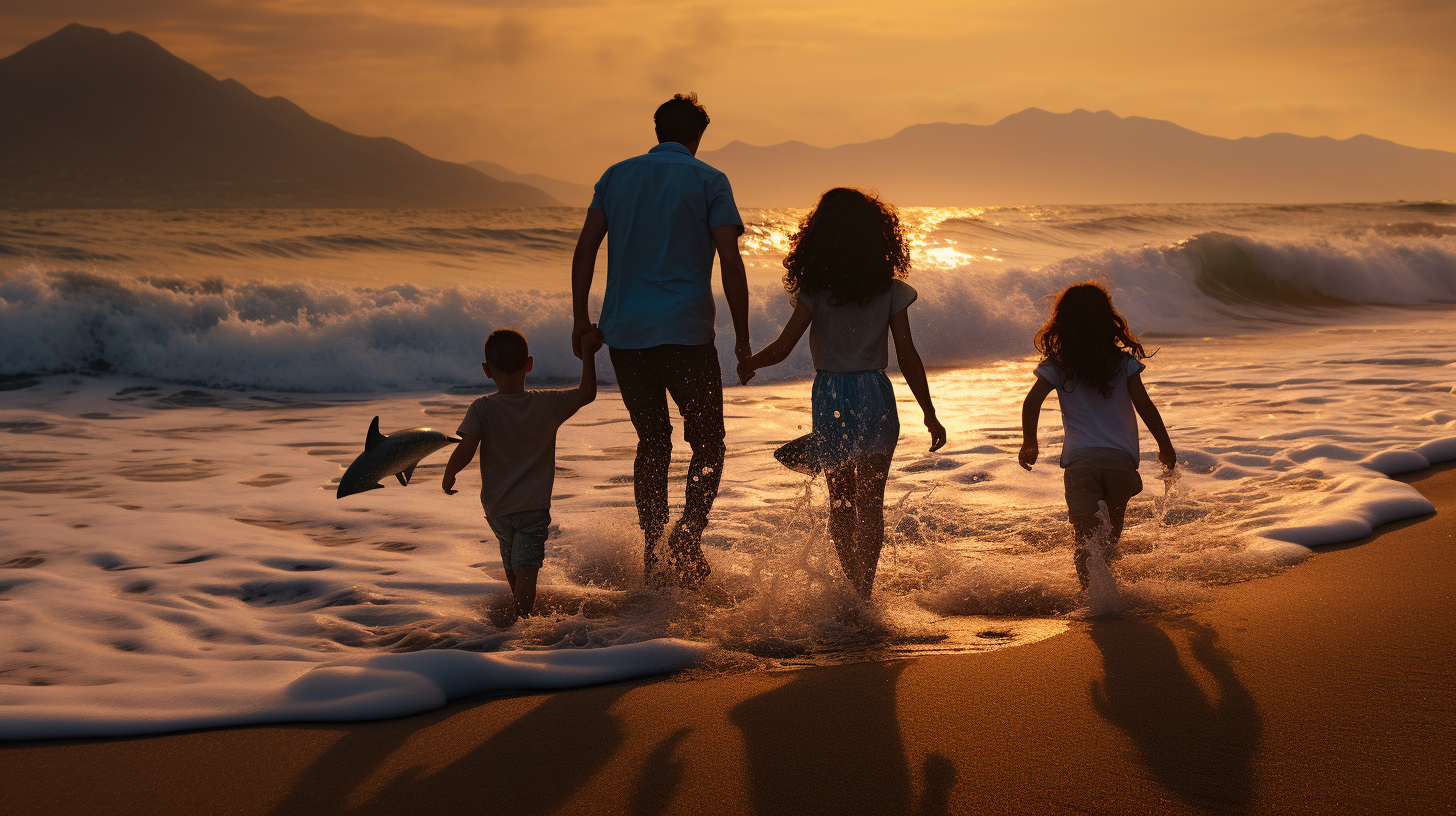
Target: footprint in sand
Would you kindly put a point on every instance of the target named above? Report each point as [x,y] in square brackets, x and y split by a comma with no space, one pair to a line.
[294,566]
[931,463]
[196,559]
[23,562]
[268,480]
[174,471]
[113,563]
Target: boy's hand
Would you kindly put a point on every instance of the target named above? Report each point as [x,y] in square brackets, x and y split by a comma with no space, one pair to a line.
[578,330]
[1028,454]
[1169,458]
[745,371]
[592,341]
[937,433]
[448,483]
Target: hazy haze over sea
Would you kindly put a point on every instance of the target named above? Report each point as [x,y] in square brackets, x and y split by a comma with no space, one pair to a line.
[183,389]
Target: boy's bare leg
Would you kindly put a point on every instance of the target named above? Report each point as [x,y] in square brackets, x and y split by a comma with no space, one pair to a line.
[523,587]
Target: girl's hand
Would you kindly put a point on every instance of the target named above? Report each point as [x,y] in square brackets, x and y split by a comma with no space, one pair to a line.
[937,433]
[745,370]
[1169,458]
[448,483]
[1028,454]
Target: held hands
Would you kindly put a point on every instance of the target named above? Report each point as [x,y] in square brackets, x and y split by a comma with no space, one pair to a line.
[1028,454]
[588,343]
[745,370]
[937,433]
[743,350]
[580,329]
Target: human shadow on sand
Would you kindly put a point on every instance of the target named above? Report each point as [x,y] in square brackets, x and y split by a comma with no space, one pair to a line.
[1199,749]
[533,765]
[829,742]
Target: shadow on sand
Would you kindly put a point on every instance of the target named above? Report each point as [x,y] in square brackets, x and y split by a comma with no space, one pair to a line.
[532,766]
[829,742]
[1199,749]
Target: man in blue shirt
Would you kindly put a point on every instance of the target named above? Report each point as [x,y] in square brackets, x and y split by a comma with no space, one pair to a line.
[667,213]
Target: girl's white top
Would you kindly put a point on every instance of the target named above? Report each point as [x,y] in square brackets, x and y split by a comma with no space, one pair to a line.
[1094,426]
[851,337]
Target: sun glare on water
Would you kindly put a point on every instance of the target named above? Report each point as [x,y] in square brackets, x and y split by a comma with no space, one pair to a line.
[769,237]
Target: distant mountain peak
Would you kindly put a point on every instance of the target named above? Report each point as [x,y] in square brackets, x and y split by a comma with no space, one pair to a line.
[1036,156]
[76,40]
[95,119]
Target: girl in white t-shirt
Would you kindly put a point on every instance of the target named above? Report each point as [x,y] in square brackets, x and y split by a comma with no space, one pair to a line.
[1095,364]
[844,270]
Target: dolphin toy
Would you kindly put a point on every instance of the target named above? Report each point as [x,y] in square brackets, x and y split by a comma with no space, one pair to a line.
[395,454]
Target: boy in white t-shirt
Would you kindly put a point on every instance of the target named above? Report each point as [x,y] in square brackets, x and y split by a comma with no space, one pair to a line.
[515,431]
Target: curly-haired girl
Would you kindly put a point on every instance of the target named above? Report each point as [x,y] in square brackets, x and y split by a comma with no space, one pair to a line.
[844,270]
[1095,364]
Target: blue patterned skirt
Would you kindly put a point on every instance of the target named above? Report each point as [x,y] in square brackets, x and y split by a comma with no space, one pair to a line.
[854,416]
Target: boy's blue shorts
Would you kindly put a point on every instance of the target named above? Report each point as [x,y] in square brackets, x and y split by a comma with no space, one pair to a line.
[522,538]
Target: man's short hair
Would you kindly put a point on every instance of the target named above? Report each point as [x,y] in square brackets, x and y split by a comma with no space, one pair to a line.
[680,119]
[506,351]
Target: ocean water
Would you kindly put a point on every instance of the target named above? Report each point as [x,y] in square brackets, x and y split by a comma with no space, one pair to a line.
[182,391]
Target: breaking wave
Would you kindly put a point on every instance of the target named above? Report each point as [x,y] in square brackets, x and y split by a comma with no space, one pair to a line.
[330,337]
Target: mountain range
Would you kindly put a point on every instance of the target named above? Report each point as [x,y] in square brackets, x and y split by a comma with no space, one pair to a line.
[1037,157]
[94,119]
[567,192]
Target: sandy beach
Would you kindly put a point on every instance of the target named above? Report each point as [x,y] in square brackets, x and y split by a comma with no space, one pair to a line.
[1329,688]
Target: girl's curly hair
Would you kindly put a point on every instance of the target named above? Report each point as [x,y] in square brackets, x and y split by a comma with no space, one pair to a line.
[851,245]
[1084,335]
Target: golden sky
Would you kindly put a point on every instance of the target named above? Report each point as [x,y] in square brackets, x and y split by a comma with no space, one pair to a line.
[565,87]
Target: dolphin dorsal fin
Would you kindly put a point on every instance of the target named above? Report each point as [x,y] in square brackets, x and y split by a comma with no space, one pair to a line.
[374,437]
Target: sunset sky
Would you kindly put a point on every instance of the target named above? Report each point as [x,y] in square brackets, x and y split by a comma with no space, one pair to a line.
[565,87]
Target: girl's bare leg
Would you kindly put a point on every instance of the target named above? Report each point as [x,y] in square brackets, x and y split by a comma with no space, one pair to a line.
[844,517]
[872,473]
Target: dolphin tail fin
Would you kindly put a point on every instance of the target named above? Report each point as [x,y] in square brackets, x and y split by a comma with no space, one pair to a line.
[373,437]
[404,475]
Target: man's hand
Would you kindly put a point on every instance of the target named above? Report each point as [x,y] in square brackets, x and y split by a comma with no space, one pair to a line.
[1028,454]
[937,433]
[745,370]
[448,483]
[580,329]
[1169,458]
[591,342]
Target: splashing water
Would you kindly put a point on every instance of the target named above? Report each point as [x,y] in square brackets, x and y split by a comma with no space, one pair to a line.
[1103,598]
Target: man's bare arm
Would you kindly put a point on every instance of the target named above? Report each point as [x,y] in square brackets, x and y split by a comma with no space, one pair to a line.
[583,269]
[735,285]
[591,343]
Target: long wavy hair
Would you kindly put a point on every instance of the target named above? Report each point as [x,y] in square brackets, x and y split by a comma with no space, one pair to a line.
[851,245]
[1085,334]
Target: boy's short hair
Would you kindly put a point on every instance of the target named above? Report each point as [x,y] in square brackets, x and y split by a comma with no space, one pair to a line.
[680,119]
[506,351]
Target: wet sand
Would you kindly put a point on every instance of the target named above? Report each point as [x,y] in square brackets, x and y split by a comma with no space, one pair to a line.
[1328,689]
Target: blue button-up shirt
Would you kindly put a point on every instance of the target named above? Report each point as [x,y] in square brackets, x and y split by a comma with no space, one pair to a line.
[661,208]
